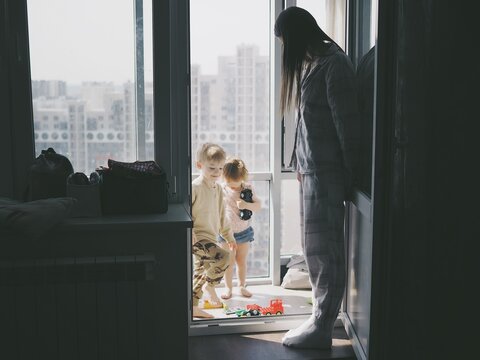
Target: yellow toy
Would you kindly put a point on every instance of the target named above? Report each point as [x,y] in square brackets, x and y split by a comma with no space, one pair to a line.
[208,305]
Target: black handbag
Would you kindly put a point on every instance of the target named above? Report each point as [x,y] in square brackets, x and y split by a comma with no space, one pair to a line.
[138,187]
[47,176]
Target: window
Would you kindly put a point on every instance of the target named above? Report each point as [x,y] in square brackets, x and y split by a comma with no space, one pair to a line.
[365,58]
[290,218]
[230,89]
[91,63]
[330,16]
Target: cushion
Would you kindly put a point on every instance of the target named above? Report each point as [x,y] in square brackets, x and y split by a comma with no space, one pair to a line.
[296,279]
[33,218]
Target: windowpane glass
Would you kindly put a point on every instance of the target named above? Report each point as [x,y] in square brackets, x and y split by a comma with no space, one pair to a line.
[230,96]
[258,256]
[366,77]
[230,78]
[330,16]
[290,218]
[84,79]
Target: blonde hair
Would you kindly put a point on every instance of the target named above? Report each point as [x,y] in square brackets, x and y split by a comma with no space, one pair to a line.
[210,152]
[235,169]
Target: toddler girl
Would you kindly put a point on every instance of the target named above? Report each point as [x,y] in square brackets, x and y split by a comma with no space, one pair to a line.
[240,203]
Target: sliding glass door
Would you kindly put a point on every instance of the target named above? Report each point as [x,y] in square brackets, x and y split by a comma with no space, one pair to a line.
[230,95]
[235,84]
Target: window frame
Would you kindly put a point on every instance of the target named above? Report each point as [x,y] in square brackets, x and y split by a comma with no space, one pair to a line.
[16,135]
[171,82]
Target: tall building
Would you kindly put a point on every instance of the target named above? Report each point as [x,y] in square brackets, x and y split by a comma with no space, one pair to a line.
[52,123]
[234,104]
[49,88]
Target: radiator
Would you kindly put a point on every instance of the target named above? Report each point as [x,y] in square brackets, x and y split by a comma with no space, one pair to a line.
[77,308]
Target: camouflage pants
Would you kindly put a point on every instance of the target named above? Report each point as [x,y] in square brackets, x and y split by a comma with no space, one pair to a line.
[210,263]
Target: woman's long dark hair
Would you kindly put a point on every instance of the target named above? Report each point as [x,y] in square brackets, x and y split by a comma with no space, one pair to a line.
[300,33]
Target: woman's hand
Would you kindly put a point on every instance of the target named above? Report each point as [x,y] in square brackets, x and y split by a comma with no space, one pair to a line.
[232,246]
[299,176]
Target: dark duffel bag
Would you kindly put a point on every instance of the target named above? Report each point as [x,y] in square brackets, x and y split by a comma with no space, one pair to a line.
[139,187]
[48,176]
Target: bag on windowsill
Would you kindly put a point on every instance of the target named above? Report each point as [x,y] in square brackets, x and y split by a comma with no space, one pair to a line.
[47,176]
[87,192]
[138,187]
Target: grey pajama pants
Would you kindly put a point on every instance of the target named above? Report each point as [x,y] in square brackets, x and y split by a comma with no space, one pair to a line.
[322,224]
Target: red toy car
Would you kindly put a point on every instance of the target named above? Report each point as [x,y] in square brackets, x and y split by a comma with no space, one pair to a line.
[275,308]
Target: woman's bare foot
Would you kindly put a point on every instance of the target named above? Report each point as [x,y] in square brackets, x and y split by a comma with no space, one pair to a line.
[197,312]
[227,295]
[212,295]
[245,292]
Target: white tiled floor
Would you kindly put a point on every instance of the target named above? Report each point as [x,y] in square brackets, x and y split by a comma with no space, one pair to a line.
[295,302]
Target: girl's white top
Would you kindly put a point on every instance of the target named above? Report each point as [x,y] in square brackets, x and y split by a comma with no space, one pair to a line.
[232,211]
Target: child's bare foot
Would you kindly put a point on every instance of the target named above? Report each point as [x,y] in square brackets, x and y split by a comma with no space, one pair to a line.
[197,312]
[245,292]
[213,297]
[227,295]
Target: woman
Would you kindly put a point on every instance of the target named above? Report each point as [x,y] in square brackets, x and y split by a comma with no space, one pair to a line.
[319,80]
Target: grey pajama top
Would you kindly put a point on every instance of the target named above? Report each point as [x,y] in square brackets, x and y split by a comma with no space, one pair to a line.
[327,130]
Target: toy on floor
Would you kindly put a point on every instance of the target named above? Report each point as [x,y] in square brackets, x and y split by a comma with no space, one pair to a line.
[208,305]
[229,311]
[247,312]
[275,308]
[239,311]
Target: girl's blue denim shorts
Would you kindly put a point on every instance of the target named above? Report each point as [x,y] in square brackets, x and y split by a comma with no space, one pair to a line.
[242,236]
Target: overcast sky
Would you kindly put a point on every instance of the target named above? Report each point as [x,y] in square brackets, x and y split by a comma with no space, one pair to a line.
[92,40]
[218,26]
[81,40]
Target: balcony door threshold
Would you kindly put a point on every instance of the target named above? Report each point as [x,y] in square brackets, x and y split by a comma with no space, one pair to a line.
[296,307]
[225,326]
[249,326]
